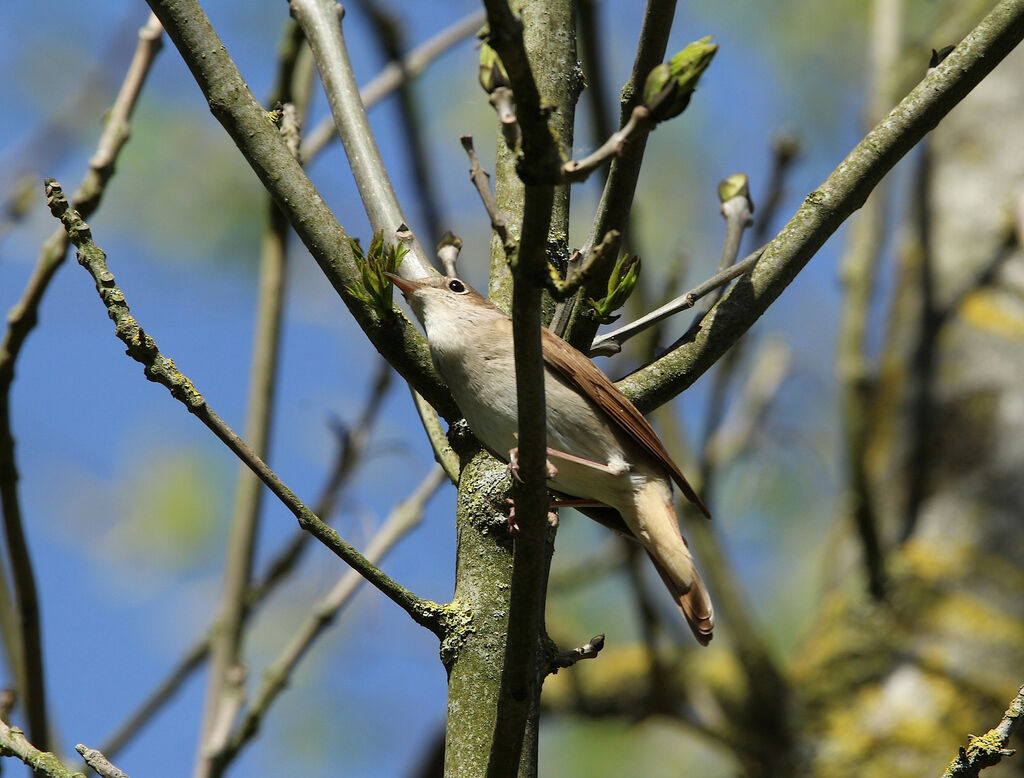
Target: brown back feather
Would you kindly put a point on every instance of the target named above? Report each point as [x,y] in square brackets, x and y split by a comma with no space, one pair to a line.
[582,373]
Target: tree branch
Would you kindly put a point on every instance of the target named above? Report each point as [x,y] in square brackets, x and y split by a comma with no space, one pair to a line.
[160,369]
[351,451]
[617,197]
[20,322]
[14,743]
[319,20]
[843,192]
[246,122]
[405,517]
[990,748]
[392,76]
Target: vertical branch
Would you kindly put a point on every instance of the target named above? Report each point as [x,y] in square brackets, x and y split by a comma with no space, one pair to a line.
[492,716]
[225,685]
[922,371]
[20,321]
[617,198]
[859,272]
[389,33]
[319,20]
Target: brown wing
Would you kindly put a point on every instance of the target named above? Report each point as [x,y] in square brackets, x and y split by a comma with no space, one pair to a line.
[579,371]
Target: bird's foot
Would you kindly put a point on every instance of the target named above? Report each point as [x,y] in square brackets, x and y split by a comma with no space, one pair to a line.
[513,524]
[513,465]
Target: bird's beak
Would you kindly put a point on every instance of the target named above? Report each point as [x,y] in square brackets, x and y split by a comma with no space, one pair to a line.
[405,286]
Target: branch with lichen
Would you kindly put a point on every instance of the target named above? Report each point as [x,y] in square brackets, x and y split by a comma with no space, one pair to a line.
[162,370]
[14,743]
[990,748]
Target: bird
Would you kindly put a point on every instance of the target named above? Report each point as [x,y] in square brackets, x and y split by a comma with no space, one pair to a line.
[601,449]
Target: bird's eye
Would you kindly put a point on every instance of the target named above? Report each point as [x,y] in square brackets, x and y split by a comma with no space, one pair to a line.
[457,286]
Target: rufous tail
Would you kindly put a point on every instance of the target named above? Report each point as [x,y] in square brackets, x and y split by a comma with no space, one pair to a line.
[655,526]
[694,602]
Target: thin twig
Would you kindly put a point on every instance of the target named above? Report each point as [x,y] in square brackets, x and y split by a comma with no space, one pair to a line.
[319,20]
[588,650]
[617,197]
[639,125]
[405,517]
[611,342]
[160,369]
[226,639]
[392,75]
[99,763]
[443,452]
[482,181]
[20,321]
[990,748]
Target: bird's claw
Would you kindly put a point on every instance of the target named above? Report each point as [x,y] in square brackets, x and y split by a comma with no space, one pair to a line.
[513,465]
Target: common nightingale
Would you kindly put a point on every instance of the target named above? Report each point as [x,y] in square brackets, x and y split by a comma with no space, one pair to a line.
[601,448]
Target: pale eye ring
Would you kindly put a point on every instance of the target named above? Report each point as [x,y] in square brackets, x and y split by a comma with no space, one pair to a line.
[457,286]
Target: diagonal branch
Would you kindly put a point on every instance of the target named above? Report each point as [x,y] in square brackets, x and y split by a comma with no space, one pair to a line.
[990,748]
[352,449]
[235,107]
[824,209]
[162,370]
[405,517]
[393,74]
[319,20]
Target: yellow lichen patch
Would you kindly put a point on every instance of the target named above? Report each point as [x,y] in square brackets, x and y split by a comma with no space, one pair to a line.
[929,561]
[897,718]
[992,311]
[958,611]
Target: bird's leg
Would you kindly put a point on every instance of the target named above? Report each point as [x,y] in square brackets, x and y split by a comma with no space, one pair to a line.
[576,503]
[513,525]
[599,466]
[513,464]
